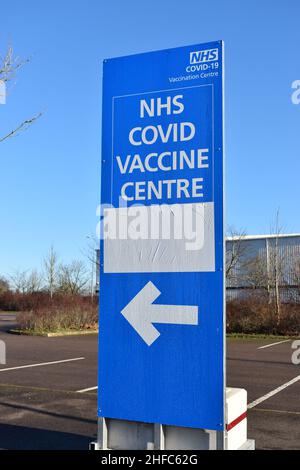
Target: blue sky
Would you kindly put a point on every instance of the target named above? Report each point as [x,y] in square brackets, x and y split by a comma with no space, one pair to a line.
[49,175]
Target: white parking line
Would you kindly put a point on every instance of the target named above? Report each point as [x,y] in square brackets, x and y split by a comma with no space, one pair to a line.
[274,344]
[274,392]
[42,364]
[86,390]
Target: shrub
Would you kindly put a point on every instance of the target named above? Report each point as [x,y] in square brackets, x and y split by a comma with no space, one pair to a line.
[255,315]
[71,313]
[15,301]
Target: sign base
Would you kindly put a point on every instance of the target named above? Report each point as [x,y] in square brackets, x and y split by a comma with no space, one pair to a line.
[115,434]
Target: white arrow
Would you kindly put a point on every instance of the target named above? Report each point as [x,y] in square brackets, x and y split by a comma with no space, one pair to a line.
[141,313]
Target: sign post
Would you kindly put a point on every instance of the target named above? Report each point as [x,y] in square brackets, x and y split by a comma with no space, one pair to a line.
[161,329]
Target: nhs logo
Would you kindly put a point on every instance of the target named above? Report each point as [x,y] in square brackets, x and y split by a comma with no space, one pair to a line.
[198,57]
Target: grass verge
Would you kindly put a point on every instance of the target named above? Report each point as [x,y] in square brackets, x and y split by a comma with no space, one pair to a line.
[51,334]
[259,336]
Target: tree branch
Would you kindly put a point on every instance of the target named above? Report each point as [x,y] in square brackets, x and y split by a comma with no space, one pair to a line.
[10,64]
[21,128]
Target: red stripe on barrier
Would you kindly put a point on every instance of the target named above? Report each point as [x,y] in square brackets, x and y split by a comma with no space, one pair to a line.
[236,421]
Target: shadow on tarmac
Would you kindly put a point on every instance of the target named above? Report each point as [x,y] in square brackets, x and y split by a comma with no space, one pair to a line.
[45,412]
[24,438]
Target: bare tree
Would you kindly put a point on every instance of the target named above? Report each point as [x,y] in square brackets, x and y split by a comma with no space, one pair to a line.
[91,254]
[235,254]
[19,281]
[295,277]
[51,271]
[4,285]
[266,271]
[255,273]
[72,278]
[25,282]
[34,282]
[9,66]
[276,266]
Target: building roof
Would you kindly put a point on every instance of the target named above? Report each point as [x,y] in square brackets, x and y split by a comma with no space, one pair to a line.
[257,237]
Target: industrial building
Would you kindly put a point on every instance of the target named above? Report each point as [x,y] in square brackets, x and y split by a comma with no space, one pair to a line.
[259,264]
[262,264]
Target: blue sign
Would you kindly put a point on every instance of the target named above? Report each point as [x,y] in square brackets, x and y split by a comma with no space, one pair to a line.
[161,328]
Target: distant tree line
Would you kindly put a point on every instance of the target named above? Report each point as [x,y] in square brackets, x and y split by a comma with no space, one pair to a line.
[55,278]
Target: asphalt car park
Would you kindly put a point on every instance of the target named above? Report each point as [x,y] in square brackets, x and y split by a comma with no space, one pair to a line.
[48,390]
[265,369]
